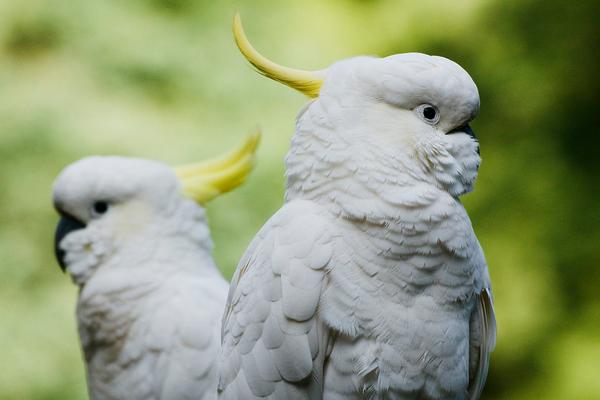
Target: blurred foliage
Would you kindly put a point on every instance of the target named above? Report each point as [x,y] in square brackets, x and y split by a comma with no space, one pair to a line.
[162,79]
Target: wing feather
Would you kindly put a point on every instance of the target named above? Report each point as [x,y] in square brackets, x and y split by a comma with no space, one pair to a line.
[484,343]
[273,343]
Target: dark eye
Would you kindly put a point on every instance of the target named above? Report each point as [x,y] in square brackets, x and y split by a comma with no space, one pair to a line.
[428,113]
[100,207]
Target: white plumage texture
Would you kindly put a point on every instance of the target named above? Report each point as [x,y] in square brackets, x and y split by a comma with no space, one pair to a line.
[369,283]
[151,297]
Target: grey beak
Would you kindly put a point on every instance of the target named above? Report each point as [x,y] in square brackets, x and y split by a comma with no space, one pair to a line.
[66,225]
[463,129]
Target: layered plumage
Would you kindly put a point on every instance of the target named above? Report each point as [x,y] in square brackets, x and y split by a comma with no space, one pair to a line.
[369,282]
[151,296]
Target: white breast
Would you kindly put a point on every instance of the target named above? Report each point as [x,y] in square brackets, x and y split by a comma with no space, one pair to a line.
[400,295]
[151,338]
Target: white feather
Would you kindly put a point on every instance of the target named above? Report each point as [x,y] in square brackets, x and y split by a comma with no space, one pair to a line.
[372,270]
[151,297]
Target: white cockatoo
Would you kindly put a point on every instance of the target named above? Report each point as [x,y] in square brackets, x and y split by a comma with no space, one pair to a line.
[369,282]
[134,237]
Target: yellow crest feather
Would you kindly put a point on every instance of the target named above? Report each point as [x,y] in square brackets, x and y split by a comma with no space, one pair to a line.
[307,82]
[206,180]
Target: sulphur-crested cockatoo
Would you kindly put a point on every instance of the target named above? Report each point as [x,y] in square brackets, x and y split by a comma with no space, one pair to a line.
[134,237]
[369,282]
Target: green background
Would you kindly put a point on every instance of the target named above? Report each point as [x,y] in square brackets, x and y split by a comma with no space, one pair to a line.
[163,79]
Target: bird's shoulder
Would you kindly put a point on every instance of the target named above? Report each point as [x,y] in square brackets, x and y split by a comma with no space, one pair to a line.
[296,228]
[271,340]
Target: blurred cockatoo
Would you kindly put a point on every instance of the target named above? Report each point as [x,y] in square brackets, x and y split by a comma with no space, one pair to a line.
[369,282]
[134,237]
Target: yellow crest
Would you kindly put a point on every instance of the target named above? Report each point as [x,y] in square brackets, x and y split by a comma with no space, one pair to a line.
[307,82]
[206,180]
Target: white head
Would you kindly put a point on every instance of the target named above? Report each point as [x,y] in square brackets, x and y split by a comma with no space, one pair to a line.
[127,209]
[378,124]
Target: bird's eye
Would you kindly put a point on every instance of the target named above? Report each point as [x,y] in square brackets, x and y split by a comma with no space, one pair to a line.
[100,207]
[428,113]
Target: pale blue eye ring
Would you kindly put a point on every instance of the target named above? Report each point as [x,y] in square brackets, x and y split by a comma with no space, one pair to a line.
[428,113]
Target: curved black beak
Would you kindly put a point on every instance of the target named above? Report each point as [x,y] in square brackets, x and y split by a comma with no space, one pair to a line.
[66,225]
[463,129]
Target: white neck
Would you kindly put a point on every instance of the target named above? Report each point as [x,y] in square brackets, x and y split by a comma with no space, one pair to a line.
[361,178]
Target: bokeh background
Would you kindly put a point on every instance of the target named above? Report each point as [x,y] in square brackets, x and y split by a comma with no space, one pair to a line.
[163,79]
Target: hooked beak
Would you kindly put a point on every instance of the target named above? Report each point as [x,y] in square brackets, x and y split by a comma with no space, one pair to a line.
[463,129]
[66,225]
